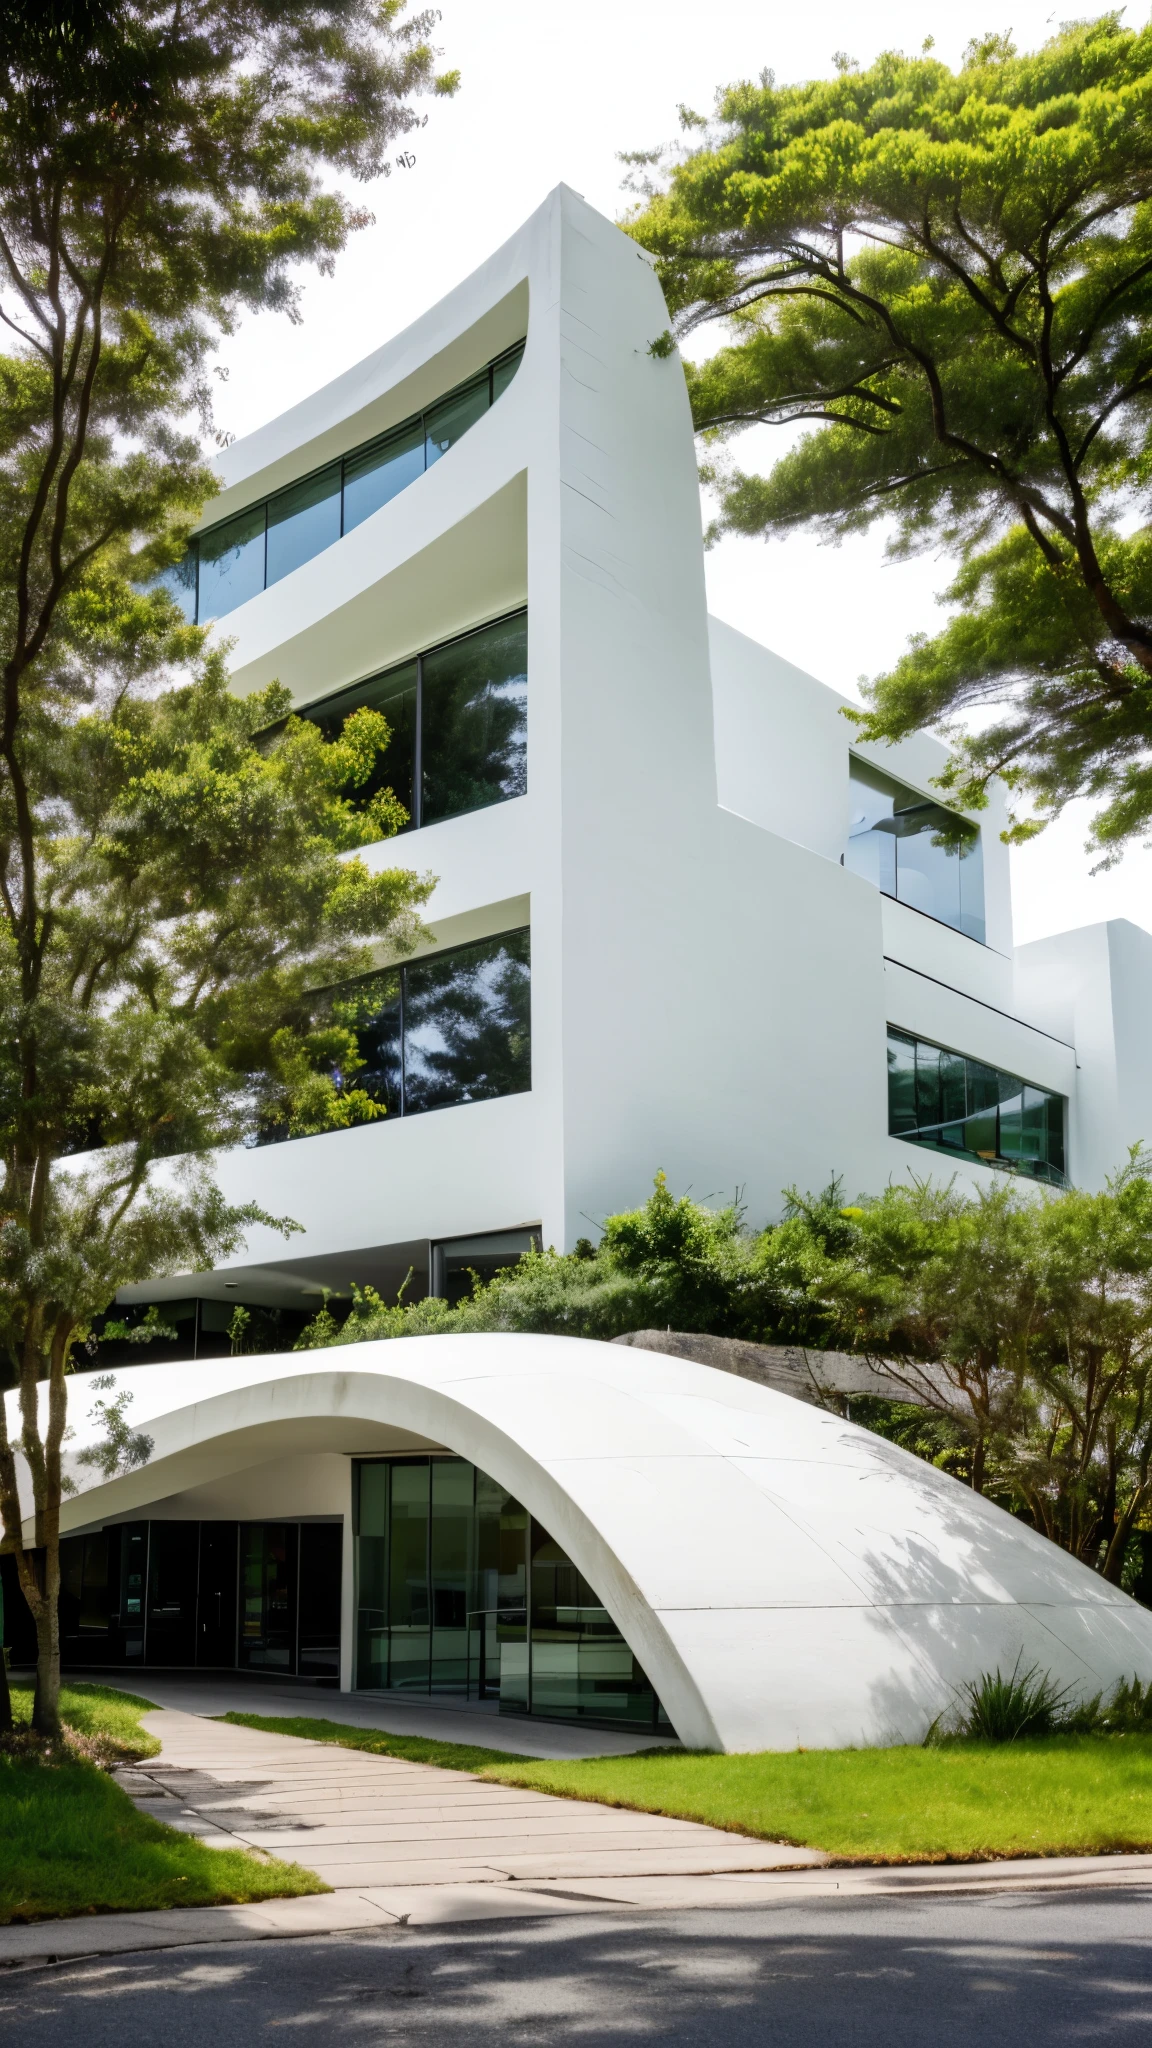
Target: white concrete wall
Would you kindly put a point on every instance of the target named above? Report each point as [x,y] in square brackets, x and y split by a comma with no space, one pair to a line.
[782,1576]
[710,987]
[1095,985]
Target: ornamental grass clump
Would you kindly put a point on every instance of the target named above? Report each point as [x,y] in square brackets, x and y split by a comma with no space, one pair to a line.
[1004,1709]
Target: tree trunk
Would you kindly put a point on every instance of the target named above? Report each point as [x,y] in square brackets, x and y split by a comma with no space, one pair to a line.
[5,1695]
[46,1702]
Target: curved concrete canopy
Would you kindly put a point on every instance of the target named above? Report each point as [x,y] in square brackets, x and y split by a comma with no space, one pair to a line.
[783,1576]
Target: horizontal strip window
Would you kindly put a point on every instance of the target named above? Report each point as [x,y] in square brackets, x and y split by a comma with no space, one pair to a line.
[452,1028]
[914,850]
[458,717]
[963,1107]
[229,563]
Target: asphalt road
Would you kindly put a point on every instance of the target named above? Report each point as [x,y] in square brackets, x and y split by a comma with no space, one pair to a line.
[1012,1968]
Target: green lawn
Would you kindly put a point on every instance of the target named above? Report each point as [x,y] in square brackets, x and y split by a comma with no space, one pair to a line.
[1072,1795]
[414,1749]
[72,1842]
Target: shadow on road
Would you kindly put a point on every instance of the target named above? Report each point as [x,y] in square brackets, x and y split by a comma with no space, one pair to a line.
[1076,1967]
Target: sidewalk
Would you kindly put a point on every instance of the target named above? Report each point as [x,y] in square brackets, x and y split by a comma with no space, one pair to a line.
[362,1820]
[406,1844]
[442,1720]
[352,1910]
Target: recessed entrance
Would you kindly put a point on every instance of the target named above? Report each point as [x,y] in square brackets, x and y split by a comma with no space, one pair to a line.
[461,1591]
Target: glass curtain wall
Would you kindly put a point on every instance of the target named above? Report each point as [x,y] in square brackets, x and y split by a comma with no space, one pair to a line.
[915,850]
[232,562]
[453,1028]
[953,1104]
[460,1590]
[458,716]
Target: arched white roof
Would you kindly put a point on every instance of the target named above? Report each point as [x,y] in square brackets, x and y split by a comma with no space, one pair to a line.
[783,1576]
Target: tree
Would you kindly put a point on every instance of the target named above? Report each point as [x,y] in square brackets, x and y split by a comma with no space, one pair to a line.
[1024,1321]
[177,867]
[941,1288]
[950,273]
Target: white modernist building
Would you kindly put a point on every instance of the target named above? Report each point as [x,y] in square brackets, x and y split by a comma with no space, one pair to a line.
[569,1529]
[682,920]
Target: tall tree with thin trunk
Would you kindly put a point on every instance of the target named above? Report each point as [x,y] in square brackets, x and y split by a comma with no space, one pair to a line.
[177,867]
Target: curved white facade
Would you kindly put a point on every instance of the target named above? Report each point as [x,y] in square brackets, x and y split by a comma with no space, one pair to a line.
[711,987]
[783,1577]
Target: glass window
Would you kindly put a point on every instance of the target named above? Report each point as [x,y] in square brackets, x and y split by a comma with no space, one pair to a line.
[269,1554]
[504,369]
[917,851]
[378,472]
[953,1104]
[395,696]
[303,521]
[408,1603]
[453,1028]
[446,422]
[372,1573]
[466,1024]
[231,564]
[373,1009]
[451,1562]
[465,1613]
[460,712]
[310,515]
[475,721]
[180,582]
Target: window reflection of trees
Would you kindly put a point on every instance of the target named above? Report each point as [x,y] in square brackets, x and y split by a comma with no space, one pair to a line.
[954,1104]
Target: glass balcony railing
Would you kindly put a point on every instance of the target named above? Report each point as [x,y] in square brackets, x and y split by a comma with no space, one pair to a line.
[229,563]
[915,850]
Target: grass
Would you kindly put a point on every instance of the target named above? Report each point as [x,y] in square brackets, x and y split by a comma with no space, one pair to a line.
[413,1749]
[1070,1795]
[72,1842]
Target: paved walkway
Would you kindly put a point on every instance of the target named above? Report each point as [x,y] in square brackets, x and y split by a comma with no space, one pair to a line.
[400,1713]
[364,1821]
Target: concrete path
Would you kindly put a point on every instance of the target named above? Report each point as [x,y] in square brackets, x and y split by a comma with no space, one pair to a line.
[442,1720]
[364,1821]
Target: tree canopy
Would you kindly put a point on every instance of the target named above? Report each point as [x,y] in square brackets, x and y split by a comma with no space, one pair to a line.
[179,874]
[941,282]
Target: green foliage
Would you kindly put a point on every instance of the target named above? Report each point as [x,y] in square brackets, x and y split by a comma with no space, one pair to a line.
[996,1708]
[122,1448]
[950,275]
[964,1802]
[673,1264]
[1018,1320]
[178,870]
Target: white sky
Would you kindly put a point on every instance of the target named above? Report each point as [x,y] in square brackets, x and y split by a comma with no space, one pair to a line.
[551,93]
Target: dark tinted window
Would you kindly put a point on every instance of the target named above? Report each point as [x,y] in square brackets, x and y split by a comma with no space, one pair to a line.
[475,721]
[452,1028]
[466,1024]
[394,695]
[460,710]
[953,1104]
